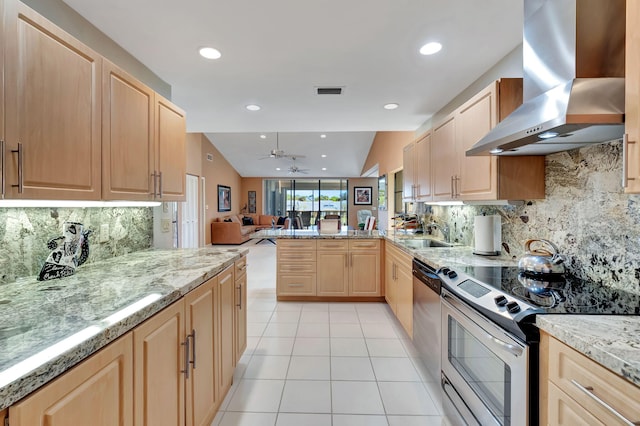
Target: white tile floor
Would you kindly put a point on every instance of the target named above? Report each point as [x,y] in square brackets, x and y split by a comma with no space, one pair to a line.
[324,364]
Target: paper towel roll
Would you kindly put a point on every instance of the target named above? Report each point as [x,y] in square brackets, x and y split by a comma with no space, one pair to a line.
[487,235]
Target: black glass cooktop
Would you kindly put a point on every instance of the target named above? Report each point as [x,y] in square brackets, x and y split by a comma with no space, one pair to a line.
[558,295]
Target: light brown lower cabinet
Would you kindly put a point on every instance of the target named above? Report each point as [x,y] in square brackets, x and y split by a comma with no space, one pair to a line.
[97,392]
[240,309]
[575,390]
[399,285]
[173,369]
[349,268]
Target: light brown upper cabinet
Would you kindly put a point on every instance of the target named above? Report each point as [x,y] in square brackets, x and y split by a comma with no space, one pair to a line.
[128,143]
[52,110]
[417,169]
[143,141]
[171,155]
[631,157]
[458,177]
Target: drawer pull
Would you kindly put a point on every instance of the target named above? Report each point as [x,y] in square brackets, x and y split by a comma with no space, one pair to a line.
[589,391]
[296,285]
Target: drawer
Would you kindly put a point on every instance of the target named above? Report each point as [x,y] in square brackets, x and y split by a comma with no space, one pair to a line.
[364,244]
[564,411]
[296,256]
[241,266]
[297,267]
[333,244]
[296,284]
[585,381]
[295,244]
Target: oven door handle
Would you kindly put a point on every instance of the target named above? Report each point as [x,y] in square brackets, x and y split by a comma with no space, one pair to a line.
[512,349]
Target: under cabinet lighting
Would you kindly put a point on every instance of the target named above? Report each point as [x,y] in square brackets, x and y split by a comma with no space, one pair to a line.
[263,136]
[323,136]
[496,151]
[278,168]
[444,203]
[324,169]
[76,203]
[547,135]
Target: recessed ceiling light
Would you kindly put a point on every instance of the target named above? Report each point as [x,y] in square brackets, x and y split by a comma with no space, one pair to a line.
[278,168]
[263,136]
[391,106]
[324,168]
[324,155]
[210,53]
[323,136]
[431,48]
[253,107]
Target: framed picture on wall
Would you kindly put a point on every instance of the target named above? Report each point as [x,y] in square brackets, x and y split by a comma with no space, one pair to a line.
[224,198]
[252,201]
[362,195]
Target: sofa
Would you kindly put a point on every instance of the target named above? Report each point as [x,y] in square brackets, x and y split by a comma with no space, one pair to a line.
[236,228]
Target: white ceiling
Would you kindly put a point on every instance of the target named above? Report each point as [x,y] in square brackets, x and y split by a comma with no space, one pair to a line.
[275,52]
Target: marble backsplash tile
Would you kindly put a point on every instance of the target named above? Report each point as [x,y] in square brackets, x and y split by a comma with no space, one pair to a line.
[24,233]
[585,213]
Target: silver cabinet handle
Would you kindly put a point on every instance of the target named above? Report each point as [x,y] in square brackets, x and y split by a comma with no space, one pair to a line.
[20,184]
[186,358]
[625,147]
[239,304]
[589,391]
[193,334]
[3,165]
[351,260]
[512,349]
[452,191]
[160,185]
[155,184]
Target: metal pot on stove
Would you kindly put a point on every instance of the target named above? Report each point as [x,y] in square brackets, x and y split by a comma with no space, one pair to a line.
[540,261]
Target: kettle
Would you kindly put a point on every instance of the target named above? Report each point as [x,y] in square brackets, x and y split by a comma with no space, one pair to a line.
[541,261]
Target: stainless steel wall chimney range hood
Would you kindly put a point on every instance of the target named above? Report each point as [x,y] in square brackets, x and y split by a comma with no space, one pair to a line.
[573,79]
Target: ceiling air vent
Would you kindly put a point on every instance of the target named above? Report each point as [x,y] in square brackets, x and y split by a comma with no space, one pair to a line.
[329,90]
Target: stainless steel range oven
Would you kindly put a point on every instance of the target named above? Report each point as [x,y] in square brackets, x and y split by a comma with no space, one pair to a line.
[490,343]
[483,367]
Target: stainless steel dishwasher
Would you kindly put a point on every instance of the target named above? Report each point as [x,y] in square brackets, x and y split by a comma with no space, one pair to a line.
[426,317]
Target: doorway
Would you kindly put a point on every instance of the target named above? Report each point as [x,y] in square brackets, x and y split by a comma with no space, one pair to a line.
[189,217]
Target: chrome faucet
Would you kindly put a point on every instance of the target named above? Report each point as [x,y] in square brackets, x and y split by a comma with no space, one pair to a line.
[444,229]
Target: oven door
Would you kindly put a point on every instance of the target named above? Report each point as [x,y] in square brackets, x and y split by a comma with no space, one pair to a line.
[486,367]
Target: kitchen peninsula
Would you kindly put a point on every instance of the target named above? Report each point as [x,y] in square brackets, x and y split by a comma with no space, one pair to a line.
[120,327]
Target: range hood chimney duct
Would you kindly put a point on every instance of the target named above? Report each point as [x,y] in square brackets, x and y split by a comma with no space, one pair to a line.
[573,65]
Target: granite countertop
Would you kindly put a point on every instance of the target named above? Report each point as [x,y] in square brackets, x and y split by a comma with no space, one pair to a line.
[610,340]
[312,233]
[46,327]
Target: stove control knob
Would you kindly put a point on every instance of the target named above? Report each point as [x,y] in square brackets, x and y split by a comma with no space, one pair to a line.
[500,300]
[513,307]
[445,270]
[452,274]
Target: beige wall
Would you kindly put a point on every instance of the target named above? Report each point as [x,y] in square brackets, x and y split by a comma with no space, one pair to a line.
[386,151]
[218,172]
[353,208]
[195,159]
[252,184]
[73,23]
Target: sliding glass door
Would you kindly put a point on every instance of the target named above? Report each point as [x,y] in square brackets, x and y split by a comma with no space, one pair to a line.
[308,199]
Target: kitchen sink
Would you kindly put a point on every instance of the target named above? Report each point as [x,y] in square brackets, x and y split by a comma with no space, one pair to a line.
[423,243]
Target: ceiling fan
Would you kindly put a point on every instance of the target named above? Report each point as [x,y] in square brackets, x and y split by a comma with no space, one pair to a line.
[279,153]
[295,169]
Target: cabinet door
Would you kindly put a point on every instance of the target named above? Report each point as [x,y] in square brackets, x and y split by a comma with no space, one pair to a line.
[171,161]
[52,94]
[240,323]
[333,273]
[201,397]
[564,411]
[408,172]
[127,136]
[444,160]
[97,391]
[632,100]
[364,273]
[478,175]
[159,381]
[423,168]
[226,318]
[390,285]
[404,310]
